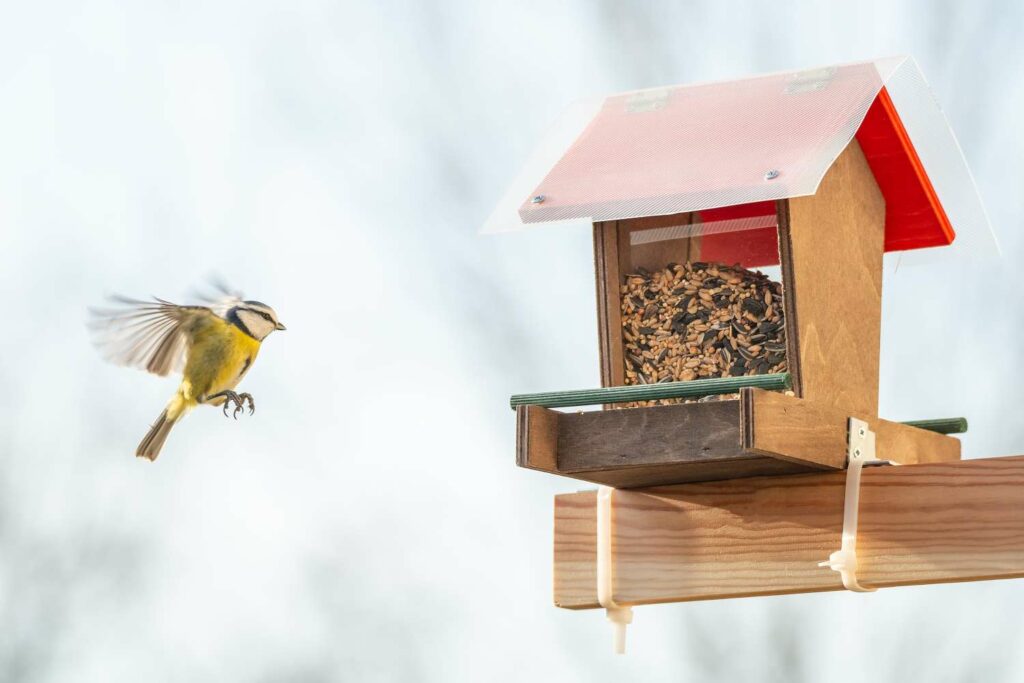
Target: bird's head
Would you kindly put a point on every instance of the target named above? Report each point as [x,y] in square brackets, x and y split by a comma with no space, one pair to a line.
[255,318]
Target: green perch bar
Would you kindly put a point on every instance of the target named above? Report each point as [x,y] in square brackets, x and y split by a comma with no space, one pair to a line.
[649,392]
[948,425]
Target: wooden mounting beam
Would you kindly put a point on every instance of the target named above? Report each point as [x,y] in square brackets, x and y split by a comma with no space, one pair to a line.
[919,524]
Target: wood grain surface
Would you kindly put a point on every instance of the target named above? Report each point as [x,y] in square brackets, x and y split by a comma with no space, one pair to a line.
[537,438]
[643,446]
[831,244]
[919,524]
[609,312]
[694,432]
[806,430]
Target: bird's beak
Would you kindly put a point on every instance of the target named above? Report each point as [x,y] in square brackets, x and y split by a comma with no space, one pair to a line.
[279,326]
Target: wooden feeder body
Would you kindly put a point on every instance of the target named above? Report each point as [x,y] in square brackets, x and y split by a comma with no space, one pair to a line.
[829,246]
[874,197]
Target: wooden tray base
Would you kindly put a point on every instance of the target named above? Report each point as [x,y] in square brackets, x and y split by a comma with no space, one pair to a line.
[762,433]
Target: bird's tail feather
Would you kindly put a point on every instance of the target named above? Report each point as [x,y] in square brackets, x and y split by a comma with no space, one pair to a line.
[154,440]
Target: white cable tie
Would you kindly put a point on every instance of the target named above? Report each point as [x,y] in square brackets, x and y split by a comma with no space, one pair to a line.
[619,615]
[860,452]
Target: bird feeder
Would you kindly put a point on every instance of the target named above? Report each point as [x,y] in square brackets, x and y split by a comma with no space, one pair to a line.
[740,233]
[711,369]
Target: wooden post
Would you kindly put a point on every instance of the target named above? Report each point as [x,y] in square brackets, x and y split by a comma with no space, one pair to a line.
[927,523]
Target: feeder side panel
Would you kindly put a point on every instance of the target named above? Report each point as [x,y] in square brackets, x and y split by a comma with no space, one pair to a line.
[832,267]
[537,438]
[609,314]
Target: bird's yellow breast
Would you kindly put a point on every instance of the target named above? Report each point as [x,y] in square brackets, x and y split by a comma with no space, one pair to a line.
[218,358]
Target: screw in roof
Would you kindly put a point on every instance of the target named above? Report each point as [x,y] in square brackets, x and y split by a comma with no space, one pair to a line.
[539,199]
[771,175]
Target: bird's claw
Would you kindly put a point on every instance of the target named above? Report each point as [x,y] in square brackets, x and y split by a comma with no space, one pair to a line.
[239,400]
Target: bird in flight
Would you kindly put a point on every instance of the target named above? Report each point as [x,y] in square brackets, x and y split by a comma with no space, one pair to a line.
[212,346]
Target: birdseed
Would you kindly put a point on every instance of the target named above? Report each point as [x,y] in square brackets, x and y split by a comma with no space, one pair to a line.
[699,320]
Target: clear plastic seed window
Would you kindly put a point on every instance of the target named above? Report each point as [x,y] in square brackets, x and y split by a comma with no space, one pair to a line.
[700,297]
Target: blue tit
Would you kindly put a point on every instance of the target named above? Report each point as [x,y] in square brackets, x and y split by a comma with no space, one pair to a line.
[214,346]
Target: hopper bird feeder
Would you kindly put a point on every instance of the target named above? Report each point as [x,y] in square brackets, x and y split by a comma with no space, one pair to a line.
[812,175]
[715,374]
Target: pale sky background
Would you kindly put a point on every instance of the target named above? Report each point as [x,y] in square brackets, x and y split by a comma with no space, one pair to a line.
[368,523]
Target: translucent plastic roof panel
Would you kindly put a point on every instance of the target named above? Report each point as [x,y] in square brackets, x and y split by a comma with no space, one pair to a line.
[693,148]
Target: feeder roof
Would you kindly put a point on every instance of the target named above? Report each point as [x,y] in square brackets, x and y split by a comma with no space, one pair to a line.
[737,143]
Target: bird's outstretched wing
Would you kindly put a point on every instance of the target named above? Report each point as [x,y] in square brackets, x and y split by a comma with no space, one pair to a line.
[150,335]
[223,298]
